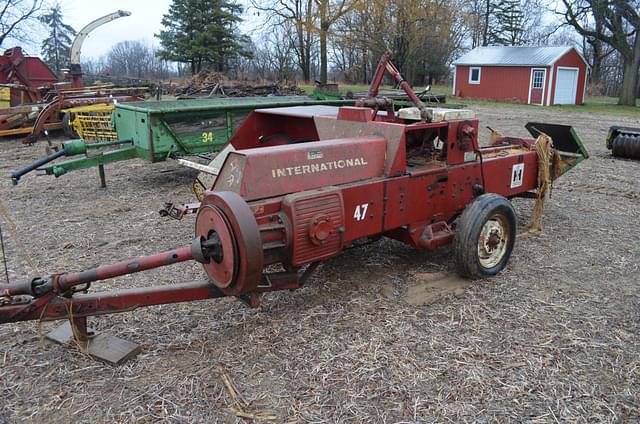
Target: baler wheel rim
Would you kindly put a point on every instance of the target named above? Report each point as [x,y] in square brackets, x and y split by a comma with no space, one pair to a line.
[493,241]
[477,251]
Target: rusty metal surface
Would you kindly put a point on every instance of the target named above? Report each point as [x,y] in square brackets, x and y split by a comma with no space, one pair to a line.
[51,112]
[178,211]
[31,72]
[101,303]
[143,263]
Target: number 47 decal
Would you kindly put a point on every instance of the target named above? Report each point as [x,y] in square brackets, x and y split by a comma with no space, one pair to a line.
[361,212]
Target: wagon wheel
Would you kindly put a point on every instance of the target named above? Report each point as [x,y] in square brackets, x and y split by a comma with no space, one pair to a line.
[484,237]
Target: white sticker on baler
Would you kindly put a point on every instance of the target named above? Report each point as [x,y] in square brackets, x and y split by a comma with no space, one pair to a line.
[360,213]
[517,173]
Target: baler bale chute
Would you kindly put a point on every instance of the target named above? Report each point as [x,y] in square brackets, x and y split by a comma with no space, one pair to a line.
[303,184]
[624,142]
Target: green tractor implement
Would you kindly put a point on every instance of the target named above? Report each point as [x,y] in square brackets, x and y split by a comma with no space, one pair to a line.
[158,130]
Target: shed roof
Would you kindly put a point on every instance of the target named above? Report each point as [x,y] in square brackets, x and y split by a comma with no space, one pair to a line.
[514,56]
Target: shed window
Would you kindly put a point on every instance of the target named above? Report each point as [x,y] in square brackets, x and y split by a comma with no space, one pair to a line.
[474,75]
[538,79]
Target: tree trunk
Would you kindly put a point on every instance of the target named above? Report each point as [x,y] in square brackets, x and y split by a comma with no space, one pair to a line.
[597,44]
[629,83]
[485,33]
[323,54]
[596,69]
[365,78]
[324,28]
[308,39]
[630,78]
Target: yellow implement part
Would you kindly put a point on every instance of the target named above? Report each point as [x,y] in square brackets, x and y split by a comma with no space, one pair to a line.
[5,97]
[100,107]
[93,122]
[27,130]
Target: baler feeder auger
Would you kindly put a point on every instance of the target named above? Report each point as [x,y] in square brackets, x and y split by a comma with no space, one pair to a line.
[306,182]
[624,142]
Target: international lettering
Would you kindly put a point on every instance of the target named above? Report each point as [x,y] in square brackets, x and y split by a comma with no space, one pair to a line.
[290,171]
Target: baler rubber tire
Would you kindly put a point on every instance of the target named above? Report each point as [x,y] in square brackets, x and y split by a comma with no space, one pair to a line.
[626,146]
[66,126]
[468,231]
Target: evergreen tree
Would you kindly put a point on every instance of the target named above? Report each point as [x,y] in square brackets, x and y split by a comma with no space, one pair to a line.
[56,48]
[202,32]
[509,23]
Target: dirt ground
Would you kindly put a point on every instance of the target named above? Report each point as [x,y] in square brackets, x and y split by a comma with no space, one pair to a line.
[382,333]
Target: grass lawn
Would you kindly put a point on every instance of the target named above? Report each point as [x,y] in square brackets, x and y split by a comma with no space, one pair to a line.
[593,104]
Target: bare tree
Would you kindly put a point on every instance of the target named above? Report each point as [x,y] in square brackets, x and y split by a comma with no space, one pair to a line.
[297,14]
[473,12]
[130,59]
[423,34]
[15,18]
[619,26]
[309,18]
[329,13]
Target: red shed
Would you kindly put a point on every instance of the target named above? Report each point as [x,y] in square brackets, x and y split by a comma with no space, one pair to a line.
[534,75]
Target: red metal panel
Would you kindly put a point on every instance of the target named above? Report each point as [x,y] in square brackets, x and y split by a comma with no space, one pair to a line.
[292,168]
[571,60]
[262,129]
[499,173]
[363,209]
[496,82]
[331,128]
[361,114]
[311,214]
[405,200]
[432,195]
[29,71]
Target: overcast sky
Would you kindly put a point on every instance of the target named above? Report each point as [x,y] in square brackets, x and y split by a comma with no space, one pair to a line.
[141,25]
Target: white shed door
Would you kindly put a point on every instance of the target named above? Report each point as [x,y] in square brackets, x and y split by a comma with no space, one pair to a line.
[566,87]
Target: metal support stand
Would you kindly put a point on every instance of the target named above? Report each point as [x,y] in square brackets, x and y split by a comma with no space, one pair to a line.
[107,348]
[103,179]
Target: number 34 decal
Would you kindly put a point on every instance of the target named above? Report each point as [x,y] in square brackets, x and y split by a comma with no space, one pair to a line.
[360,213]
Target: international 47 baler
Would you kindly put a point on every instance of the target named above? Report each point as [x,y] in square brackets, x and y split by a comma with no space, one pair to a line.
[304,183]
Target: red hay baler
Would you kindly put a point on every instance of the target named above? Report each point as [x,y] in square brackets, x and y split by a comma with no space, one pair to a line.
[304,183]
